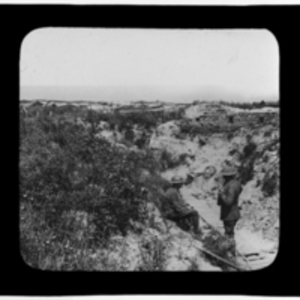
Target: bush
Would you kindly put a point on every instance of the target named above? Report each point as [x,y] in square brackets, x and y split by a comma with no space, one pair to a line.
[270,184]
[81,173]
[246,171]
[249,150]
[129,135]
[141,142]
[153,254]
[201,142]
[218,245]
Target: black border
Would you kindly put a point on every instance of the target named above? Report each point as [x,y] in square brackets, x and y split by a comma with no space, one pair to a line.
[16,22]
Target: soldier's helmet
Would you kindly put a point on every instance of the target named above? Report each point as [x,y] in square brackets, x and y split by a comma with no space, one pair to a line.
[228,171]
[177,179]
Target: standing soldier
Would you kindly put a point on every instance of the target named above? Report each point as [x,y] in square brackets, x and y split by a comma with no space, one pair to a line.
[229,193]
[176,209]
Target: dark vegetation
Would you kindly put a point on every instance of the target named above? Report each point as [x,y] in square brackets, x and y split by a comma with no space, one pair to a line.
[193,129]
[220,246]
[248,157]
[72,182]
[270,184]
[252,105]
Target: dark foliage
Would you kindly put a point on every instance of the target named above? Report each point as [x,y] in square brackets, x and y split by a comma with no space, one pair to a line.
[246,169]
[270,184]
[220,246]
[64,168]
[253,105]
[249,150]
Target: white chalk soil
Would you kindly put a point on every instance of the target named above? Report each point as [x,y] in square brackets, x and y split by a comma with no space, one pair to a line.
[257,251]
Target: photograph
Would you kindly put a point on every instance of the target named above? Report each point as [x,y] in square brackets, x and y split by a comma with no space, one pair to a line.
[149,149]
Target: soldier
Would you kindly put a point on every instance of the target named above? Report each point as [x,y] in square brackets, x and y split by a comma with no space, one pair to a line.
[176,209]
[229,193]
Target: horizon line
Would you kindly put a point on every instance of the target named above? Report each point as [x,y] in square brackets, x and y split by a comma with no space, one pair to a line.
[164,101]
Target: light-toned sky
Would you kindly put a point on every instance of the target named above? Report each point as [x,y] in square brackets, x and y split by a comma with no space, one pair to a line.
[149,64]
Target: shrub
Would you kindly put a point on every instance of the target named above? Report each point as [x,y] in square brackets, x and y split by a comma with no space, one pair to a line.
[81,173]
[270,184]
[153,255]
[249,150]
[202,142]
[129,135]
[218,245]
[141,142]
[246,171]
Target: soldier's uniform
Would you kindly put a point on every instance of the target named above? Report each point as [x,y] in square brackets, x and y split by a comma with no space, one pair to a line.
[176,209]
[228,200]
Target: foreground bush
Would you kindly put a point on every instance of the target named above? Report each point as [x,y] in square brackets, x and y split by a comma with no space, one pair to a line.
[270,184]
[64,168]
[219,245]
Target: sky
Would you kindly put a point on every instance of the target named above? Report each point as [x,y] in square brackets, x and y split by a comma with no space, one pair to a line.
[149,64]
